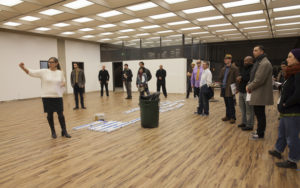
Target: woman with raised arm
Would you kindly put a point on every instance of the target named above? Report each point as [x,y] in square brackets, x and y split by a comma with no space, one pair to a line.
[53,83]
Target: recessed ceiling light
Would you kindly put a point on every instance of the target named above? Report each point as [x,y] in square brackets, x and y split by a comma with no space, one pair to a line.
[126,30]
[226,30]
[153,38]
[167,31]
[287,17]
[109,14]
[240,3]
[189,28]
[256,27]
[207,36]
[286,8]
[61,24]
[10,3]
[29,18]
[51,12]
[150,26]
[105,39]
[86,29]
[174,1]
[210,18]
[247,13]
[142,6]
[12,24]
[258,32]
[68,33]
[294,33]
[288,29]
[107,33]
[259,36]
[172,36]
[107,25]
[200,9]
[293,23]
[123,37]
[83,19]
[199,33]
[252,21]
[88,36]
[78,4]
[137,20]
[219,25]
[43,29]
[143,34]
[232,34]
[178,23]
[165,15]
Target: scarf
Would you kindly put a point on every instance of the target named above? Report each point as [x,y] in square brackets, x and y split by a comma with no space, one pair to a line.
[291,70]
[255,66]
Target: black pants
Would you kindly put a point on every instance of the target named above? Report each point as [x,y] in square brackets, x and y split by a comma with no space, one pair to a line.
[61,119]
[261,120]
[196,92]
[188,89]
[78,90]
[106,88]
[203,107]
[163,85]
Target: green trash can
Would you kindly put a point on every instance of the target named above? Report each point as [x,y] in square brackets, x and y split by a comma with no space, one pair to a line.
[149,108]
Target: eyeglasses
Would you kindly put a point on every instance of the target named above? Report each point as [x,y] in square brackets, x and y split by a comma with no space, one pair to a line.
[51,62]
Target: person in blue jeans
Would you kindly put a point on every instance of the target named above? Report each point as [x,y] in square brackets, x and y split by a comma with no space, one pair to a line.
[289,108]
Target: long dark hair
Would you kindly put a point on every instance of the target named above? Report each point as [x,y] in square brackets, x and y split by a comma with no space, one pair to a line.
[56,61]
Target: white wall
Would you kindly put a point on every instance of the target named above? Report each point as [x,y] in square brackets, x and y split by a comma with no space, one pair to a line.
[89,53]
[176,73]
[16,48]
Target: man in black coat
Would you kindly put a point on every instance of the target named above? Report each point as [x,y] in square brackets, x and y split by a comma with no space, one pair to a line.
[161,80]
[127,79]
[149,76]
[103,77]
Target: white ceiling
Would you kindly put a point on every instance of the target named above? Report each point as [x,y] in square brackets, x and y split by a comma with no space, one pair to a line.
[204,25]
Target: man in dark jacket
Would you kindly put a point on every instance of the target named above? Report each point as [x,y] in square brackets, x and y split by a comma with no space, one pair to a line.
[127,79]
[78,82]
[103,77]
[246,109]
[149,76]
[228,76]
[161,80]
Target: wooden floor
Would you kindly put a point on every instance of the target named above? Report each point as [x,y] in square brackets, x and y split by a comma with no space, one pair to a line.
[185,151]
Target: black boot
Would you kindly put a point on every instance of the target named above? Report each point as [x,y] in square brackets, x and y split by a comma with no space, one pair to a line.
[62,123]
[51,124]
[275,153]
[287,164]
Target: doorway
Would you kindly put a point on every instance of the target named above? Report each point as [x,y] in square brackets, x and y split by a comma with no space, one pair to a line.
[117,75]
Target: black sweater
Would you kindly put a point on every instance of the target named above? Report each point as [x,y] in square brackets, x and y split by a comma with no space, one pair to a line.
[128,74]
[103,75]
[245,74]
[290,96]
[161,73]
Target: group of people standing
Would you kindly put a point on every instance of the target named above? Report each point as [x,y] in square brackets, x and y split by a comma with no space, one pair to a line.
[254,84]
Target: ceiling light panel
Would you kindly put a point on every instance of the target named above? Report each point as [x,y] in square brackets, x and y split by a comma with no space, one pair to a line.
[107,25]
[43,29]
[86,29]
[287,17]
[286,8]
[51,12]
[240,3]
[78,4]
[109,14]
[210,18]
[14,24]
[61,24]
[10,3]
[178,23]
[83,20]
[137,20]
[29,18]
[150,27]
[142,6]
[197,10]
[174,1]
[161,16]
[248,13]
[252,21]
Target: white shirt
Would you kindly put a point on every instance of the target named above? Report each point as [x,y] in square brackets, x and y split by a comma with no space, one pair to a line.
[206,77]
[51,82]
